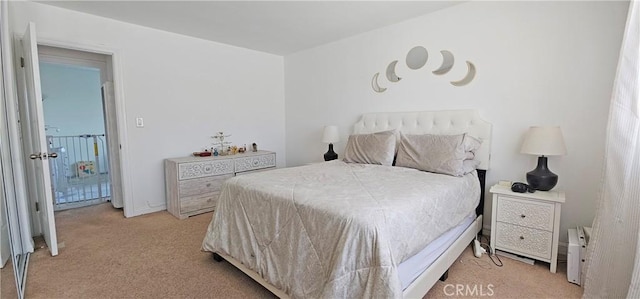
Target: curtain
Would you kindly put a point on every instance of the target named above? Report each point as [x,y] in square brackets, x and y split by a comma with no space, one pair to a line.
[613,258]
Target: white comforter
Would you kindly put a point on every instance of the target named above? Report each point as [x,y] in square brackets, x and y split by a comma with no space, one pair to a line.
[336,230]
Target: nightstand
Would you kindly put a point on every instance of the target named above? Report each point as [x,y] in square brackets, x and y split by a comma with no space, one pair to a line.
[526,224]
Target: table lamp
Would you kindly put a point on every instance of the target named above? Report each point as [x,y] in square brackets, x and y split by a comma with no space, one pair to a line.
[330,136]
[543,141]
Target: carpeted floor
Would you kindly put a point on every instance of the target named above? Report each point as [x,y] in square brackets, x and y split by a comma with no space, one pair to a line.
[158,256]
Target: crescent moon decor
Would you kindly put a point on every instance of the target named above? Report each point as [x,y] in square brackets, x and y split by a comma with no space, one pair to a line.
[391,72]
[374,84]
[471,73]
[447,63]
[417,57]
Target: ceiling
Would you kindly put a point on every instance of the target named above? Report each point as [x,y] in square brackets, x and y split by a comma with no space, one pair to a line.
[277,27]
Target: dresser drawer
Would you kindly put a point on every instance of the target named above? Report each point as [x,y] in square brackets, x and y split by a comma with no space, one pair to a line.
[531,214]
[199,202]
[534,242]
[194,170]
[202,185]
[255,162]
[199,194]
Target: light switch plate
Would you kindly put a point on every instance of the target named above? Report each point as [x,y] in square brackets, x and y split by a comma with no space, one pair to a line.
[139,122]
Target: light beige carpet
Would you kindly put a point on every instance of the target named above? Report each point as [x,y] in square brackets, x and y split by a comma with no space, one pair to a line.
[158,256]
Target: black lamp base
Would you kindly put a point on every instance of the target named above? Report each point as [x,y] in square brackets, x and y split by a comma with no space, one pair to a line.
[330,154]
[542,178]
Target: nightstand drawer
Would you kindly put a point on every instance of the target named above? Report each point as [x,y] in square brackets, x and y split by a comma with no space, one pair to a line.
[518,239]
[527,213]
[204,185]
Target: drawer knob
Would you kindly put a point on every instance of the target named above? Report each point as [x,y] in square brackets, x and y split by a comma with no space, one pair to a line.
[521,238]
[523,215]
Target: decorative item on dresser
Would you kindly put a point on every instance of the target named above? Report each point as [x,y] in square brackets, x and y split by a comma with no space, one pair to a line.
[526,224]
[193,183]
[543,141]
[220,143]
[330,136]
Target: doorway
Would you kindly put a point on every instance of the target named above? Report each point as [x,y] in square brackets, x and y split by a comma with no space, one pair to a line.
[78,111]
[31,132]
[24,147]
[75,130]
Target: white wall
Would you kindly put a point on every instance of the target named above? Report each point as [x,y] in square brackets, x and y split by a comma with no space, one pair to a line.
[543,63]
[186,89]
[72,102]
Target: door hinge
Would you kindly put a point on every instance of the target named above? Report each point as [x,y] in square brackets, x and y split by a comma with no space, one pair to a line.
[37,207]
[21,61]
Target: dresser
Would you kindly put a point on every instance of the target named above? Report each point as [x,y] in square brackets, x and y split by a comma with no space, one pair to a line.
[193,183]
[526,224]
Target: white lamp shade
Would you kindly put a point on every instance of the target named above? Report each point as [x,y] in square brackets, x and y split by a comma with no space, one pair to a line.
[330,134]
[544,141]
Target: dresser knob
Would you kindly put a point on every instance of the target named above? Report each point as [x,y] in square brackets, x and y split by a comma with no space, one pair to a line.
[521,238]
[523,215]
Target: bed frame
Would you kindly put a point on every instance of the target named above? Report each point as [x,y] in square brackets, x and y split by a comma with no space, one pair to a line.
[426,122]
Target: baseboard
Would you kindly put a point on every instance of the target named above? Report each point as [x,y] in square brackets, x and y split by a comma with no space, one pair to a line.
[562,246]
[147,211]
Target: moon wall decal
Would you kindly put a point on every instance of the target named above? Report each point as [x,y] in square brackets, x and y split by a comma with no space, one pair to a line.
[471,73]
[417,57]
[391,72]
[374,84]
[447,63]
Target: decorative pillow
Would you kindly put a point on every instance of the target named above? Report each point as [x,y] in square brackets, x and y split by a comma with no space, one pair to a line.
[469,155]
[469,166]
[471,144]
[434,153]
[375,148]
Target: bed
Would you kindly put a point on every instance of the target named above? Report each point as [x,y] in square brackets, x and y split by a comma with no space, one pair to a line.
[337,229]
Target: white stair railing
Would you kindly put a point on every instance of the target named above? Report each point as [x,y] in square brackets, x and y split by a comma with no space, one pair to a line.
[80,174]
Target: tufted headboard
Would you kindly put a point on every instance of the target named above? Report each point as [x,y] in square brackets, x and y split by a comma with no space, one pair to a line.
[432,122]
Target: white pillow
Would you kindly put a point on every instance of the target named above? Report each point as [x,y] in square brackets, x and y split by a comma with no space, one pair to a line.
[469,166]
[471,144]
[469,155]
[375,148]
[434,153]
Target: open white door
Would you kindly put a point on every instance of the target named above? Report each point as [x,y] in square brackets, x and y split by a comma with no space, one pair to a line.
[35,141]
